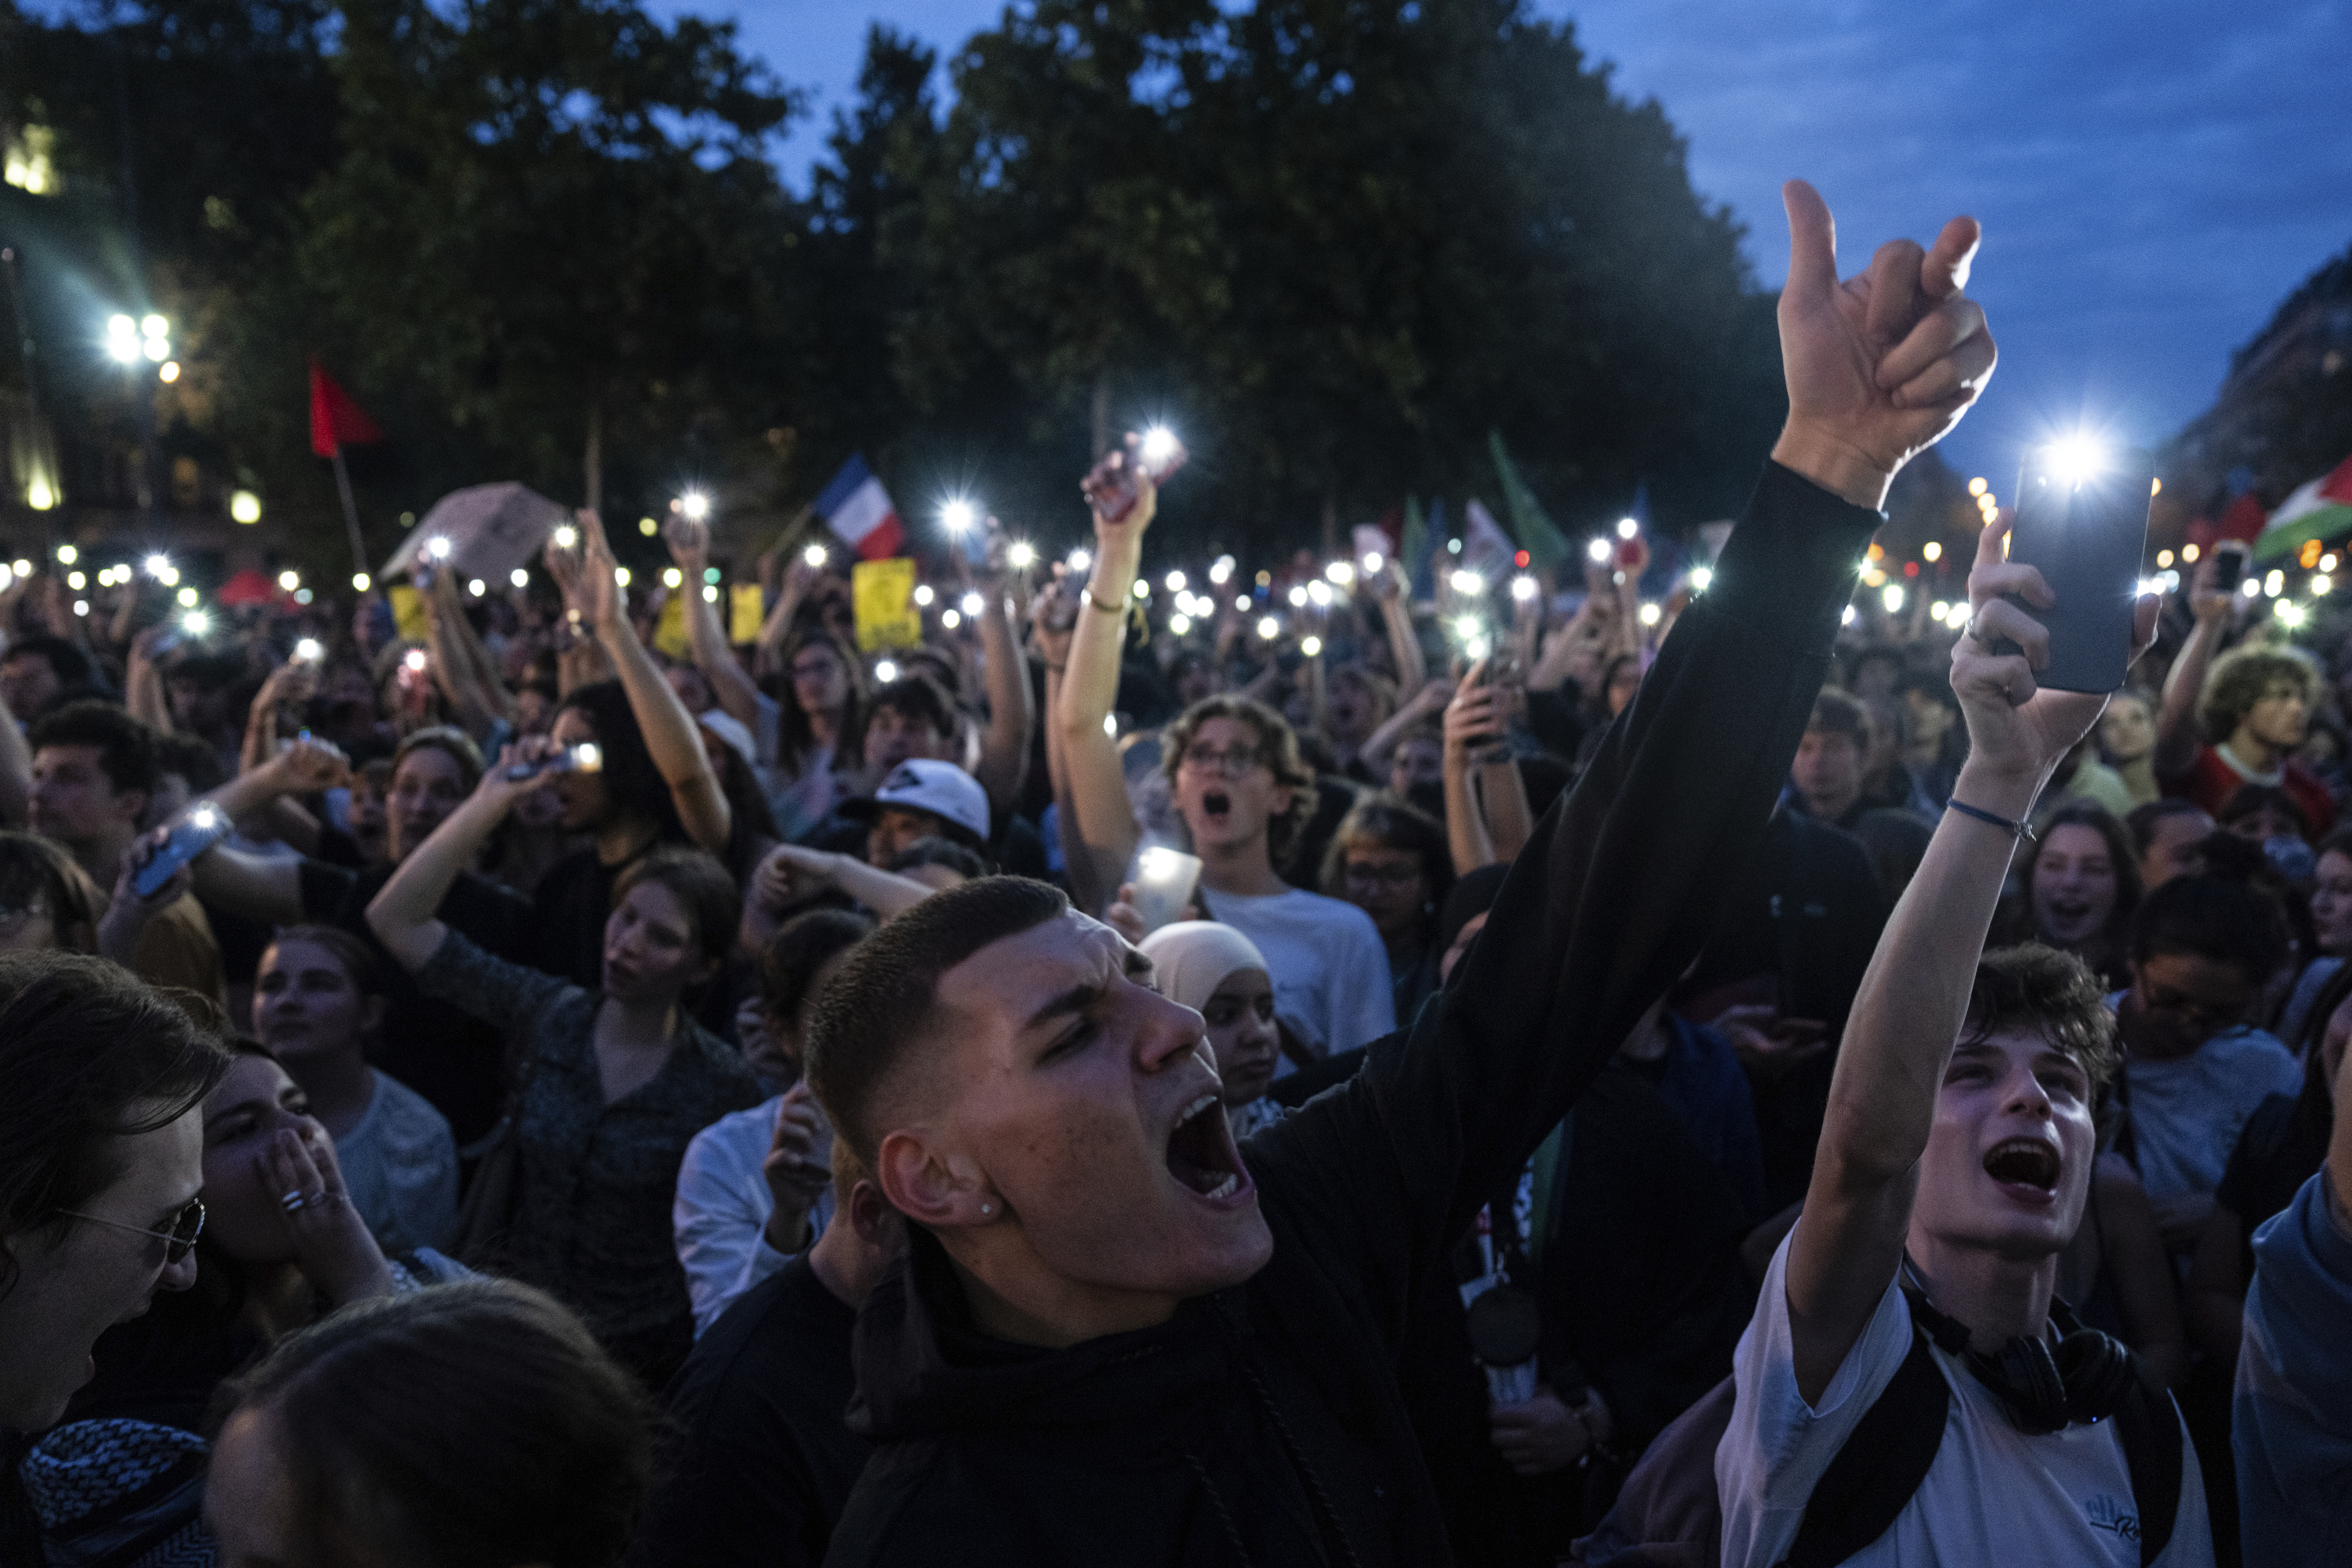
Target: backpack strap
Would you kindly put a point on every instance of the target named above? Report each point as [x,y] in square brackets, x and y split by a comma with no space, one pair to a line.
[2149,1427]
[1882,1464]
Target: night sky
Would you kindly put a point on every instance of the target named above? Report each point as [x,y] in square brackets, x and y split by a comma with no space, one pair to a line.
[2153,177]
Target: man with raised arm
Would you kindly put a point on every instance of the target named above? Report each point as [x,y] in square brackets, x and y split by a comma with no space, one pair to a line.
[1112,1339]
[1914,1301]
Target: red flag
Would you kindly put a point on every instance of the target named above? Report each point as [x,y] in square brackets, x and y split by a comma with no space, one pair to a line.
[335,420]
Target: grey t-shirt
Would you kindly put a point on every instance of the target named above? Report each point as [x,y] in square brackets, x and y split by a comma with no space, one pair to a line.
[400,1167]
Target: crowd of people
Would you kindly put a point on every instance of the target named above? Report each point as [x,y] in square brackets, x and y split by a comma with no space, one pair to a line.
[1312,1071]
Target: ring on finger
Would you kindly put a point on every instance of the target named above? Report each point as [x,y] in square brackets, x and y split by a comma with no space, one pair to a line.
[291,1201]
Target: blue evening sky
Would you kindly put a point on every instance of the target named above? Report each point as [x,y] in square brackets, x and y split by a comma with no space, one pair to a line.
[2152,175]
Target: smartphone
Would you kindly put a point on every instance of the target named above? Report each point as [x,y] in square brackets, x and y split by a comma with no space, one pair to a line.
[2229,565]
[584,757]
[2088,534]
[190,836]
[1110,487]
[1164,879]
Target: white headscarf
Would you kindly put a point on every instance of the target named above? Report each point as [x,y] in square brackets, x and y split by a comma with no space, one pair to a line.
[1193,957]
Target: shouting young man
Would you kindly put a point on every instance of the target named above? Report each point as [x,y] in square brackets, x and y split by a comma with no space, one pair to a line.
[1113,1341]
[1912,1312]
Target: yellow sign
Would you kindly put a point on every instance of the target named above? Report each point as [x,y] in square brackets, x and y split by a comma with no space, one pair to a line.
[883,594]
[408,613]
[747,613]
[671,639]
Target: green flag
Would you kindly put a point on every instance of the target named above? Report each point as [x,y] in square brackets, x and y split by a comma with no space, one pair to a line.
[1546,546]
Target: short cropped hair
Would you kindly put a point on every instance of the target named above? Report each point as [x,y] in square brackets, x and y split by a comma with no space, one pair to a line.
[192,758]
[801,947]
[2241,676]
[1278,745]
[875,1014]
[1840,713]
[919,697]
[2148,815]
[2224,918]
[2049,993]
[451,742]
[467,1424]
[87,1053]
[67,663]
[126,748]
[702,884]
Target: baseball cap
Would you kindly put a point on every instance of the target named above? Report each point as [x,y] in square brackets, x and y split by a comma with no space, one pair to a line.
[920,784]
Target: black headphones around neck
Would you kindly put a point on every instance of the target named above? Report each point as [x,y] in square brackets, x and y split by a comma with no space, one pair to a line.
[2041,1391]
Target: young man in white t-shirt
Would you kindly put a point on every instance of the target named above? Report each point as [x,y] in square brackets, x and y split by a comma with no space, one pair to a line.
[1954,1163]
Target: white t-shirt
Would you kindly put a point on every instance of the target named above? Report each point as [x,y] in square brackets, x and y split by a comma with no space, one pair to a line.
[1994,1498]
[400,1167]
[719,1219]
[1329,969]
[2187,1114]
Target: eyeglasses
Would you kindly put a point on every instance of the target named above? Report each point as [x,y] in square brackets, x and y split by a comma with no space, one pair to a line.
[186,1228]
[1233,764]
[12,919]
[2201,1015]
[1369,876]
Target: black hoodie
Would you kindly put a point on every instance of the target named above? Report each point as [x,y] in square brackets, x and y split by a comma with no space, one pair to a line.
[1263,1424]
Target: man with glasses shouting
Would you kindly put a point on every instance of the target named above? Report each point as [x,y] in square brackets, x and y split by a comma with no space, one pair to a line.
[1113,1339]
[102,1145]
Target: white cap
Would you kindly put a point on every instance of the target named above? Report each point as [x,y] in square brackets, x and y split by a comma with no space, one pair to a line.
[941,788]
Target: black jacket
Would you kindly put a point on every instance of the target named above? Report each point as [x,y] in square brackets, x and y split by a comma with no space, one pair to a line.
[1265,1424]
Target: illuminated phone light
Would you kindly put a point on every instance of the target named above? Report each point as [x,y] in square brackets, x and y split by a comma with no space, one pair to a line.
[1021,555]
[415,658]
[2327,561]
[2250,588]
[476,587]
[81,606]
[1298,597]
[309,650]
[187,597]
[1310,646]
[1627,527]
[1269,628]
[1081,559]
[1372,564]
[156,565]
[647,527]
[958,515]
[672,577]
[2075,457]
[566,535]
[2154,489]
[519,577]
[1180,623]
[303,596]
[2321,584]
[2171,579]
[196,622]
[24,567]
[1340,572]
[694,504]
[1222,571]
[1939,612]
[289,581]
[2190,553]
[1467,582]
[973,604]
[950,620]
[1242,602]
[437,547]
[710,594]
[1598,552]
[359,581]
[1701,577]
[1470,629]
[1175,581]
[620,575]
[1157,864]
[1893,597]
[1321,592]
[76,581]
[1847,619]
[1873,578]
[2163,558]
[1110,725]
[204,817]
[1978,487]
[814,555]
[1157,446]
[923,595]
[2290,612]
[886,671]
[2275,583]
[1931,552]
[1651,614]
[1143,588]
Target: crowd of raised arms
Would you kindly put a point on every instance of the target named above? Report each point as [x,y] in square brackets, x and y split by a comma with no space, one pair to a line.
[1262,1065]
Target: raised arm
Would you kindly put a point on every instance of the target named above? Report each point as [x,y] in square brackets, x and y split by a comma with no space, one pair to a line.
[1914,996]
[467,676]
[405,912]
[254,887]
[15,770]
[690,546]
[1396,614]
[2177,734]
[1623,882]
[1474,721]
[1105,820]
[669,730]
[1012,718]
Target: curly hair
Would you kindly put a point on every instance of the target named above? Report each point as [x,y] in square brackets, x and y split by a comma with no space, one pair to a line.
[1277,747]
[2049,993]
[2241,676]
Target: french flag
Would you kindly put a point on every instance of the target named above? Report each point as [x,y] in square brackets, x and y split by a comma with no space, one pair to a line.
[858,510]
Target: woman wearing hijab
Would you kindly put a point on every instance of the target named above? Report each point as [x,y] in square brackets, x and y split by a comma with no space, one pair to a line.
[1220,974]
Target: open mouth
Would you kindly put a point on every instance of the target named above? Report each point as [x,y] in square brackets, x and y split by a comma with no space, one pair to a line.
[1217,804]
[1201,1156]
[2028,1165]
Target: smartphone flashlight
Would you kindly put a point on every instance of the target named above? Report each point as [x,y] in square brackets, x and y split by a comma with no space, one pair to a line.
[415,658]
[566,535]
[1021,555]
[204,816]
[958,515]
[1159,447]
[309,651]
[438,548]
[814,555]
[1598,552]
